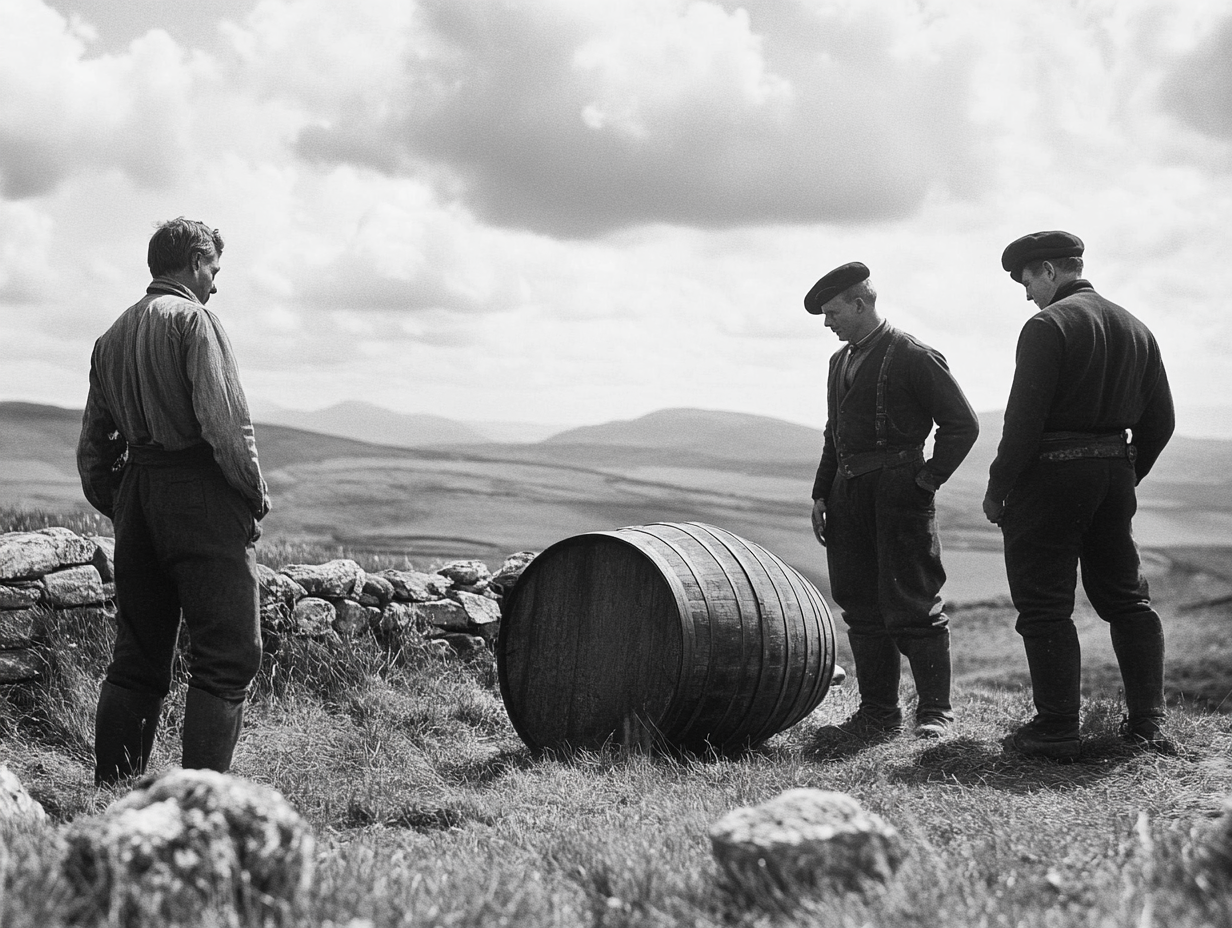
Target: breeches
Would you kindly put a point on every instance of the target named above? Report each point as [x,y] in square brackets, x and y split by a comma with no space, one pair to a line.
[184,544]
[1062,514]
[884,554]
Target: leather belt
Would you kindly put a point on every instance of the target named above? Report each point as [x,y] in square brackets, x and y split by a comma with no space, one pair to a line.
[856,465]
[150,456]
[1074,446]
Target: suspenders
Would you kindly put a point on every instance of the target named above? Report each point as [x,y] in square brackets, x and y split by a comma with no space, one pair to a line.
[879,421]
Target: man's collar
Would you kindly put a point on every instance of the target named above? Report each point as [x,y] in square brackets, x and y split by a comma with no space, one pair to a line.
[871,337]
[1069,288]
[171,286]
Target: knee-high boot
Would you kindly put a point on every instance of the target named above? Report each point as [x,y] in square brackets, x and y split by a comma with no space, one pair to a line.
[878,667]
[930,665]
[1055,662]
[124,729]
[211,729]
[1139,645]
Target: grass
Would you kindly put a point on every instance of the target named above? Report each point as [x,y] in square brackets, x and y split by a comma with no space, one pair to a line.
[430,811]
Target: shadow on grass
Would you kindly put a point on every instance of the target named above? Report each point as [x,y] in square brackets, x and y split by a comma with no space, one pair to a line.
[972,762]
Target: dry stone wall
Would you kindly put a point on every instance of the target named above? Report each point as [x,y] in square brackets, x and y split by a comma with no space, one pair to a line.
[453,610]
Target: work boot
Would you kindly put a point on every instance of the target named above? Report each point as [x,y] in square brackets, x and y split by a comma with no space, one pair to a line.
[930,665]
[1055,662]
[1038,738]
[878,668]
[1139,645]
[211,729]
[1147,735]
[124,728]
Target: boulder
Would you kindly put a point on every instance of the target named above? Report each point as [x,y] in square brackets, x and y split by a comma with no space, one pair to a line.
[804,841]
[464,644]
[465,573]
[313,617]
[189,842]
[24,555]
[415,587]
[1213,848]
[335,578]
[16,805]
[74,586]
[445,614]
[377,591]
[278,588]
[20,594]
[482,613]
[20,665]
[505,578]
[18,627]
[354,619]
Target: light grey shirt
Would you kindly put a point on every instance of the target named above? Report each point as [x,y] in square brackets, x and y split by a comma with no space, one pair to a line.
[164,376]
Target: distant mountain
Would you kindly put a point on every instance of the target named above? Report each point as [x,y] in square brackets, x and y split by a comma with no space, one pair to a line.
[366,422]
[709,433]
[371,423]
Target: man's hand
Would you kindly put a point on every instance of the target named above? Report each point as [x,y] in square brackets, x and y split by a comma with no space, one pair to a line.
[819,520]
[994,509]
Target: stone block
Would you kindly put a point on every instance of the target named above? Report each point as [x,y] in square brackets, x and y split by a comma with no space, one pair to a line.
[20,594]
[377,591]
[19,627]
[802,842]
[17,806]
[74,586]
[507,576]
[465,573]
[413,586]
[313,617]
[104,556]
[278,588]
[334,579]
[481,612]
[353,619]
[19,665]
[188,844]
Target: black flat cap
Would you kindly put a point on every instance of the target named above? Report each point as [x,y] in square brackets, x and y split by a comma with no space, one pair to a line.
[833,284]
[1036,247]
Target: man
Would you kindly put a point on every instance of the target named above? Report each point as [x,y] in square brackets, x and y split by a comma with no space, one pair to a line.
[1062,490]
[167,452]
[873,502]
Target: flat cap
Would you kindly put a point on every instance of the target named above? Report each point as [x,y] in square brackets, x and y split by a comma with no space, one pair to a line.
[1036,247]
[833,284]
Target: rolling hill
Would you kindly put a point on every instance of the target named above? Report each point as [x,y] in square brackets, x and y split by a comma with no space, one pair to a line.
[749,474]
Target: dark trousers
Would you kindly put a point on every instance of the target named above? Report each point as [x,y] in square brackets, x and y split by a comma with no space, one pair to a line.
[1062,514]
[184,544]
[884,555]
[1058,516]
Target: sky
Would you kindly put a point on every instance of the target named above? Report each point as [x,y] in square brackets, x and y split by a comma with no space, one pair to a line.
[574,211]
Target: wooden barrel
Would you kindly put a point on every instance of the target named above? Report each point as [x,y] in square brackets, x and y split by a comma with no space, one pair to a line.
[673,634]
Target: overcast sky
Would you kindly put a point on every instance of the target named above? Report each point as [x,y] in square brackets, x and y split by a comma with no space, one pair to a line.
[568,211]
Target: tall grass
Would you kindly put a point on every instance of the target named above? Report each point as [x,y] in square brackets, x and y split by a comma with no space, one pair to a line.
[430,811]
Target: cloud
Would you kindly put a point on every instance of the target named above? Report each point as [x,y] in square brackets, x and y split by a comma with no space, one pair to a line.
[61,113]
[1199,88]
[578,118]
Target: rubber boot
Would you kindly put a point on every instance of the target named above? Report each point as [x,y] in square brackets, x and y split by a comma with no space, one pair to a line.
[1055,662]
[211,729]
[1139,645]
[878,668]
[930,665]
[124,729]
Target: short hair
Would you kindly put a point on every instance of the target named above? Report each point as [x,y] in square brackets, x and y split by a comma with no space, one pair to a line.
[175,241]
[862,290]
[1068,265]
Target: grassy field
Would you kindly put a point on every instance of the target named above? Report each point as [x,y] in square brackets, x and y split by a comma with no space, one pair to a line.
[430,811]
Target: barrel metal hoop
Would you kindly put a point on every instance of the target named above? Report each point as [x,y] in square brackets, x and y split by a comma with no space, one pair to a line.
[714,533]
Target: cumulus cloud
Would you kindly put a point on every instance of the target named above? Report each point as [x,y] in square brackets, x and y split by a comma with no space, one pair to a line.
[579,118]
[1199,89]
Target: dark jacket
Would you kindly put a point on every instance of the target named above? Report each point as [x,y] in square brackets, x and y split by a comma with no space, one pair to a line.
[920,391]
[1083,364]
